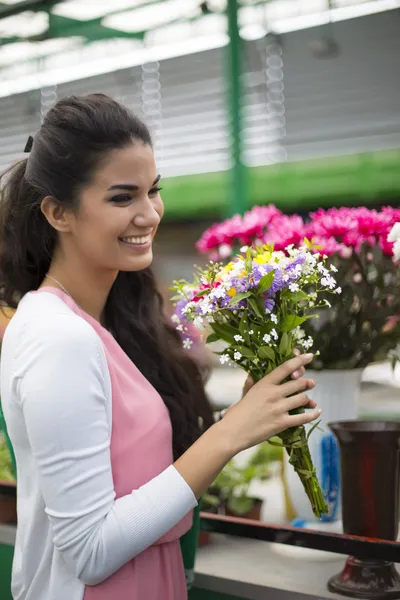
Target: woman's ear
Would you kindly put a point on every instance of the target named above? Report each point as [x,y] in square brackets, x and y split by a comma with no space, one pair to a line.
[56,214]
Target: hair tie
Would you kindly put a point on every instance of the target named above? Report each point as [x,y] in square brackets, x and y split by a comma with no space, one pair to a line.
[29,144]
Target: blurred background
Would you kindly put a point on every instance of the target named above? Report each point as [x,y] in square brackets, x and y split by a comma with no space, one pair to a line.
[291,102]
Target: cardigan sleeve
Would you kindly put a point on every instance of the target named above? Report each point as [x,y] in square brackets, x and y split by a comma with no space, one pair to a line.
[61,376]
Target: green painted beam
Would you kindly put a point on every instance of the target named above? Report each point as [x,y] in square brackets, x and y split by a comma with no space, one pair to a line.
[234,78]
[297,186]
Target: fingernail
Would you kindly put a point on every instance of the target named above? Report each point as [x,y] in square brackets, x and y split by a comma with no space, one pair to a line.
[319,411]
[309,357]
[312,382]
[296,374]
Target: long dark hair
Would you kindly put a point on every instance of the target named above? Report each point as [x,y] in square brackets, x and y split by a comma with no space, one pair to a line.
[75,136]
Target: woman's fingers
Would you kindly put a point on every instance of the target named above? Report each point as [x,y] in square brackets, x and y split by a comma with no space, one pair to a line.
[304,418]
[286,369]
[298,385]
[300,372]
[299,400]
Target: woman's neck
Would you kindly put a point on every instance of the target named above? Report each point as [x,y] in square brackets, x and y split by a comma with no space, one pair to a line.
[88,288]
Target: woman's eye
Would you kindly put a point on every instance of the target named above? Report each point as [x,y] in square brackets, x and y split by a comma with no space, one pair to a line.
[121,199]
[155,191]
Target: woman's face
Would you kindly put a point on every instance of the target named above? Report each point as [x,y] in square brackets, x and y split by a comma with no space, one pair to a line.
[119,211]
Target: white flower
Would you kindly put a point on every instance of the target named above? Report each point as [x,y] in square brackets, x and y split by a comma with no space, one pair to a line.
[299,333]
[328,282]
[175,319]
[224,359]
[187,343]
[311,303]
[225,250]
[338,290]
[198,322]
[322,269]
[179,327]
[294,287]
[267,338]
[206,307]
[334,269]
[274,318]
[307,343]
[274,334]
[394,233]
[285,277]
[396,250]
[188,307]
[357,277]
[238,338]
[244,249]
[237,356]
[251,332]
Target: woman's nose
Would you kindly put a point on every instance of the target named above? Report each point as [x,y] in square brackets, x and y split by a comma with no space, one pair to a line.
[147,215]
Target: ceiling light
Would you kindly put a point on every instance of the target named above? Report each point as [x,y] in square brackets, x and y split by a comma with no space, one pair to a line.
[26,24]
[84,10]
[153,15]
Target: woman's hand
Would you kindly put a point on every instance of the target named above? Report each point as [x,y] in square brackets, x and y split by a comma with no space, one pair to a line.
[264,410]
[249,381]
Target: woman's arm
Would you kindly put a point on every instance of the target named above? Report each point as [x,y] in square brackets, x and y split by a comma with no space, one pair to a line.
[63,398]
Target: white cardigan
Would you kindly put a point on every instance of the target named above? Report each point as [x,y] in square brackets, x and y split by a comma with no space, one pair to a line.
[71,532]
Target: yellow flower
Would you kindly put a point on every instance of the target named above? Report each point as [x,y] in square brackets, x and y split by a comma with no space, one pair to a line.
[232,292]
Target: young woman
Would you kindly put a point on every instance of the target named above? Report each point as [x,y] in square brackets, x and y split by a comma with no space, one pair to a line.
[111,429]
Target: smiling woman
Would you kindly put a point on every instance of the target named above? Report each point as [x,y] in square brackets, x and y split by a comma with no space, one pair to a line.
[112,432]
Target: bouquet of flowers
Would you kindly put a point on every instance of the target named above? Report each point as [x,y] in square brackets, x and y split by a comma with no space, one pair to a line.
[257,305]
[363,324]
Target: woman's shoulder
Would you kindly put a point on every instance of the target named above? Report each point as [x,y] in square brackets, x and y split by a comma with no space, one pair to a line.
[44,322]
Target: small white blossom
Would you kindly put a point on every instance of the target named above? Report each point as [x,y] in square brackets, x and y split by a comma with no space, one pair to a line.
[307,343]
[198,322]
[206,307]
[267,338]
[237,356]
[396,250]
[311,303]
[187,343]
[251,332]
[274,334]
[338,290]
[328,281]
[179,327]
[238,338]
[357,278]
[175,319]
[188,307]
[285,277]
[294,287]
[274,318]
[244,249]
[224,359]
[299,333]
[334,269]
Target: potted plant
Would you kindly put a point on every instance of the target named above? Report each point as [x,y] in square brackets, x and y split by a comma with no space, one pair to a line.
[357,327]
[231,488]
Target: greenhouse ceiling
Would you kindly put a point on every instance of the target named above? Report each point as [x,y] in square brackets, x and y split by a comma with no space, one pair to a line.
[37,37]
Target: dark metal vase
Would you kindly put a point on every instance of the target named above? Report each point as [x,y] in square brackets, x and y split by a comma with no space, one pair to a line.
[370,462]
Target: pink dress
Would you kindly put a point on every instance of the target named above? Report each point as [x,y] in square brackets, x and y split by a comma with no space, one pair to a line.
[141,448]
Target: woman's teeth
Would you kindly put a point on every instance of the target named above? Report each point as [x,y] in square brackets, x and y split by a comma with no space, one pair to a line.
[136,240]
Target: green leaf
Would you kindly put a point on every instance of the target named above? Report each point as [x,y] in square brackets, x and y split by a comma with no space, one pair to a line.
[297,296]
[290,322]
[254,307]
[246,352]
[224,332]
[266,281]
[266,352]
[249,261]
[213,337]
[312,429]
[240,504]
[284,346]
[176,297]
[236,299]
[203,293]
[244,326]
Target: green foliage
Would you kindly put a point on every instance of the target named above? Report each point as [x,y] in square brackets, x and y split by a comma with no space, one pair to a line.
[6,470]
